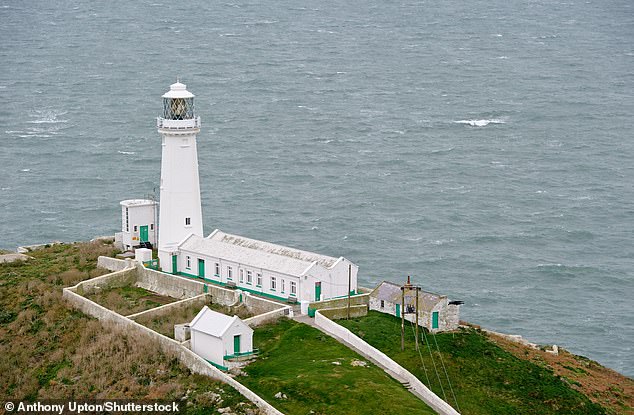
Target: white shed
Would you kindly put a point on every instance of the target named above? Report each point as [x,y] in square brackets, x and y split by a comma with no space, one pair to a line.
[138,222]
[217,337]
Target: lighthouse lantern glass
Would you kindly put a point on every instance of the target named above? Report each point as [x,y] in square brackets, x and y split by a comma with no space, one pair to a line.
[178,108]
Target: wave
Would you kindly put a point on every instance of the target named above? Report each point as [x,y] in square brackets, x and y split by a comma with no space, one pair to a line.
[125,152]
[481,123]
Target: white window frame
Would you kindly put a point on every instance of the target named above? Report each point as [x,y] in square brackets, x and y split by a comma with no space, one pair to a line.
[258,279]
[283,285]
[293,288]
[241,276]
[188,262]
[188,221]
[230,273]
[249,277]
[273,283]
[217,269]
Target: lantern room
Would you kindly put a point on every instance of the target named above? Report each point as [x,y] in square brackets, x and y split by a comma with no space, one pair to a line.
[178,103]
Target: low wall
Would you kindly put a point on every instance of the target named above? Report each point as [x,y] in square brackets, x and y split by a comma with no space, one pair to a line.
[113,264]
[342,312]
[191,360]
[201,300]
[382,360]
[269,317]
[361,299]
[116,279]
[259,305]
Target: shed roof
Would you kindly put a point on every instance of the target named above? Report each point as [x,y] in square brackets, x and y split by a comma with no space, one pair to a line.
[258,254]
[212,322]
[389,291]
[137,202]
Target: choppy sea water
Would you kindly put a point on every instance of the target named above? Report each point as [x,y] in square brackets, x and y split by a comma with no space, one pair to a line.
[485,148]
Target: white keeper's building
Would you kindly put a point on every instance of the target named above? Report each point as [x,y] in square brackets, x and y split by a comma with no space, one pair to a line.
[256,266]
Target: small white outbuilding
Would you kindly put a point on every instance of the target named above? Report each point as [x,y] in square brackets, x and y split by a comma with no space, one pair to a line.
[217,337]
[138,222]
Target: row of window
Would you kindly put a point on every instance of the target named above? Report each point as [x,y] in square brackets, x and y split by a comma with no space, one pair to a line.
[249,278]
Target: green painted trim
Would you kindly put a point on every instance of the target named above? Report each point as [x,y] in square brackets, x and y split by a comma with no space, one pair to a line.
[231,356]
[434,320]
[221,367]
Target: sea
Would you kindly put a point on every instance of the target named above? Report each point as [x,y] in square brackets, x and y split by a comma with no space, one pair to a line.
[484,148]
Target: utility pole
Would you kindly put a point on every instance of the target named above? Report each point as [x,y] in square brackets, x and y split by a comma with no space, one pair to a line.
[407,308]
[349,287]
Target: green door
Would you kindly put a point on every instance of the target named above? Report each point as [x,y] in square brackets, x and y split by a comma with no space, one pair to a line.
[144,234]
[317,291]
[201,268]
[434,320]
[174,264]
[398,310]
[236,344]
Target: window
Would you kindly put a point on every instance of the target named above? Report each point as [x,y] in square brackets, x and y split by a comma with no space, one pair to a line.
[135,228]
[229,273]
[188,221]
[217,269]
[151,226]
[293,288]
[127,222]
[258,280]
[249,277]
[241,275]
[273,283]
[283,285]
[189,262]
[382,303]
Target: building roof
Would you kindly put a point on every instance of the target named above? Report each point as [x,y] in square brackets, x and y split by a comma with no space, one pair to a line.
[178,90]
[212,322]
[137,202]
[391,292]
[257,254]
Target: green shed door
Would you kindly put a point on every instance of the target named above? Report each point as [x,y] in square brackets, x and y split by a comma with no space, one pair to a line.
[398,310]
[434,320]
[143,234]
[236,344]
[174,264]
[201,268]
[317,291]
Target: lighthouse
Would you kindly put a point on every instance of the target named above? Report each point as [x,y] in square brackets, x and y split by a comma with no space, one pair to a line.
[180,208]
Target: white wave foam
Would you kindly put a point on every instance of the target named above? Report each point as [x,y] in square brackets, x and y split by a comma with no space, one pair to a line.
[125,152]
[481,123]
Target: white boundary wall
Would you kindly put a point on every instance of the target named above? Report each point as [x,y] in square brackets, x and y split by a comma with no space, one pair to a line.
[395,370]
[194,362]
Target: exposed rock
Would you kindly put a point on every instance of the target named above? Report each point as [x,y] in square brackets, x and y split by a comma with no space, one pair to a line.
[336,363]
[359,363]
[280,395]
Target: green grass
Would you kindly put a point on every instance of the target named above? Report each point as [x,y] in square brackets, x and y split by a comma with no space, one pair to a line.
[297,360]
[128,299]
[51,351]
[485,378]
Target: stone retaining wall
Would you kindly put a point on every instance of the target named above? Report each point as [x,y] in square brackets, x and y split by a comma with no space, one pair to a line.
[269,317]
[361,299]
[113,280]
[201,300]
[382,360]
[113,264]
[342,312]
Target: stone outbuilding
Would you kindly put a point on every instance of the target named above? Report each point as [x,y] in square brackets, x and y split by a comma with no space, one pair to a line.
[435,312]
[218,338]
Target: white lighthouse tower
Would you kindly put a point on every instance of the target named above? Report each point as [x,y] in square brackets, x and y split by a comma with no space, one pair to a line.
[180,209]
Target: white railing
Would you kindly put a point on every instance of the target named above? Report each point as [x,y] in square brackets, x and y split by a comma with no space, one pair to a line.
[178,124]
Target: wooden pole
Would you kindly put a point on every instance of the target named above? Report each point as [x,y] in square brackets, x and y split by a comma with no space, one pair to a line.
[349,287]
[402,318]
[417,288]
